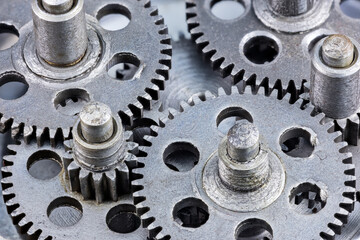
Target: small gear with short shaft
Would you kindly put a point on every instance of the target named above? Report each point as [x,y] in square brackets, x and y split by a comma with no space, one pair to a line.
[99,157]
[39,199]
[230,167]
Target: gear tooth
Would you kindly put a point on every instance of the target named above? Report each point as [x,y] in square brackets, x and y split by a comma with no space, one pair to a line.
[287,98]
[28,133]
[234,90]
[248,90]
[328,235]
[132,146]
[16,129]
[347,204]
[221,92]
[341,124]
[12,147]
[184,106]
[98,183]
[172,113]
[5,123]
[73,171]
[209,95]
[128,135]
[68,145]
[84,179]
[195,99]
[23,222]
[342,215]
[336,226]
[111,183]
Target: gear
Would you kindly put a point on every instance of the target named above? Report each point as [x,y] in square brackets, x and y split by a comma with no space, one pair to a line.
[61,92]
[248,50]
[185,153]
[189,75]
[41,204]
[98,159]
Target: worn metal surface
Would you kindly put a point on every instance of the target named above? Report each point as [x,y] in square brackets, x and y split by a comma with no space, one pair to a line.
[49,215]
[224,43]
[197,126]
[144,41]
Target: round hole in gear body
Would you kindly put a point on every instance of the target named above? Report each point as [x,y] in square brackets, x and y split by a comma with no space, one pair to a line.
[261,49]
[254,229]
[297,142]
[308,198]
[229,116]
[123,66]
[12,86]
[9,36]
[114,17]
[191,213]
[123,219]
[70,101]
[65,211]
[181,156]
[44,165]
[351,8]
[227,9]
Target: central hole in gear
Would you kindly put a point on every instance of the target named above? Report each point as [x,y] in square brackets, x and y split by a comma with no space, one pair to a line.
[261,50]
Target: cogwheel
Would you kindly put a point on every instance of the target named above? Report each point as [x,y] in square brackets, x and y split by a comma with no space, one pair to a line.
[253,50]
[39,200]
[202,188]
[189,76]
[143,46]
[99,157]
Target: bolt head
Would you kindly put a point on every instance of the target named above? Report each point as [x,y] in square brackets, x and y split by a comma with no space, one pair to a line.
[338,51]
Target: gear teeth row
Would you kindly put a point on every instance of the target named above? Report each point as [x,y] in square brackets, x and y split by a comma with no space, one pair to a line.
[101,186]
[349,195]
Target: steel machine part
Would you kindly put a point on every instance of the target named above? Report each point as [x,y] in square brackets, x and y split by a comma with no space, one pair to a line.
[195,200]
[65,61]
[60,31]
[98,158]
[334,85]
[42,205]
[274,51]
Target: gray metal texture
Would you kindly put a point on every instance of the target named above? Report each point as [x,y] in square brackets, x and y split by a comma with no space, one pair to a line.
[60,35]
[44,208]
[197,125]
[61,92]
[224,42]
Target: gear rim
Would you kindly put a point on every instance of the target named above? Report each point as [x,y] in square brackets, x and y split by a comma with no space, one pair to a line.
[154,220]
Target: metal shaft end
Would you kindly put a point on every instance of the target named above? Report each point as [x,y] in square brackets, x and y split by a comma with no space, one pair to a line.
[57,6]
[96,121]
[243,141]
[291,8]
[338,51]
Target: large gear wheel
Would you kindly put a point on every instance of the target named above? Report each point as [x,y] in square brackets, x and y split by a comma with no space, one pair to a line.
[61,92]
[195,202]
[248,49]
[42,205]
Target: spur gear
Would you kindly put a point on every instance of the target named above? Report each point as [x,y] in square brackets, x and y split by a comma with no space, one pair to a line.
[42,206]
[193,186]
[61,76]
[249,50]
[98,158]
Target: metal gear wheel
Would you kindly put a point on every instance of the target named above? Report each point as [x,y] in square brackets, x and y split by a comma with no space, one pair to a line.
[42,205]
[247,49]
[189,75]
[60,92]
[99,157]
[185,153]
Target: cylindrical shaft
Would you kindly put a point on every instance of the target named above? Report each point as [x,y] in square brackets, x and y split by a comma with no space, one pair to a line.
[243,166]
[335,77]
[60,31]
[96,122]
[243,141]
[291,8]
